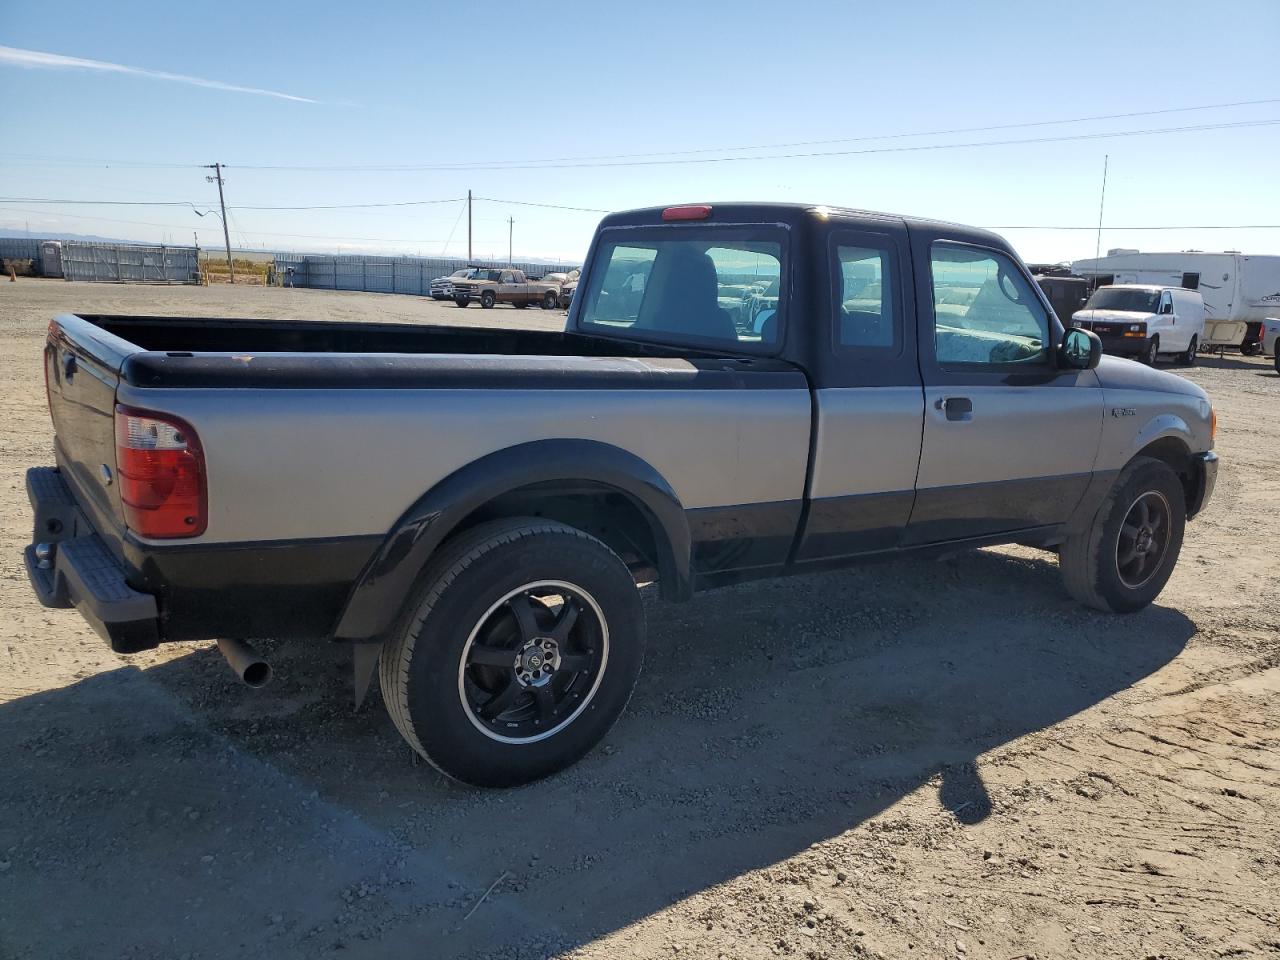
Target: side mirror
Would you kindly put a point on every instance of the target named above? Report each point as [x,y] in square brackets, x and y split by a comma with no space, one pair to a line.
[1079,350]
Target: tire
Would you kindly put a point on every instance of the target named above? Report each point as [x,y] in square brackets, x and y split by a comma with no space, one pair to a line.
[550,300]
[1248,348]
[1093,565]
[1152,353]
[1276,361]
[462,301]
[1188,357]
[466,609]
[488,299]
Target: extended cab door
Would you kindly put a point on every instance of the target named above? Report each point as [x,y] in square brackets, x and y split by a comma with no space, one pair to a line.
[870,402]
[508,290]
[1009,439]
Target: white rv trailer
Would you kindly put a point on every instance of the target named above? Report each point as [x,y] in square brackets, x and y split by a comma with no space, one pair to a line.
[1235,286]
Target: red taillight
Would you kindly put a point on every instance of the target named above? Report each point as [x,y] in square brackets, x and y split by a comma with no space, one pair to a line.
[692,212]
[160,468]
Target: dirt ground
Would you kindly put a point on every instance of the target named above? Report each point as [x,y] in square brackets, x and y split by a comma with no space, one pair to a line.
[929,759]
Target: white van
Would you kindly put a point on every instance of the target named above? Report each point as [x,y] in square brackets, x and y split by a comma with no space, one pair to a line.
[1145,320]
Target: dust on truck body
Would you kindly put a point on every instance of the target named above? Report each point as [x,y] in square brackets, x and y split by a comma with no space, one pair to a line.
[741,391]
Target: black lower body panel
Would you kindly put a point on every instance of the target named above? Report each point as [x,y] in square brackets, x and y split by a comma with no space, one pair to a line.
[137,595]
[845,526]
[747,536]
[981,509]
[285,589]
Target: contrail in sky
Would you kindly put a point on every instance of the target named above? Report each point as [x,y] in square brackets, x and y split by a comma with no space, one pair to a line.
[56,61]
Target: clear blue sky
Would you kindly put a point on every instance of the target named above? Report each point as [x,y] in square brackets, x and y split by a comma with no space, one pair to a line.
[438,84]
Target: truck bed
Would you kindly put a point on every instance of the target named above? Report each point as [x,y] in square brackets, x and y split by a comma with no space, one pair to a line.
[219,335]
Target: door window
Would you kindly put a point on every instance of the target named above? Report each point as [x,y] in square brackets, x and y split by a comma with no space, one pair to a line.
[984,309]
[865,307]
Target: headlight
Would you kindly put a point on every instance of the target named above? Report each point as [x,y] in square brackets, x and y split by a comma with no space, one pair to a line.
[1135,327]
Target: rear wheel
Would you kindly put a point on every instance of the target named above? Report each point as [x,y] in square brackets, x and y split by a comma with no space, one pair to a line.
[518,654]
[1249,348]
[488,299]
[550,300]
[1123,560]
[1188,357]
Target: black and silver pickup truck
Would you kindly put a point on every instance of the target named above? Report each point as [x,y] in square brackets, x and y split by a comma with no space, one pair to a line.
[472,509]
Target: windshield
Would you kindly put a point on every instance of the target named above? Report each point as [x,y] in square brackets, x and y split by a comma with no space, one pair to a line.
[480,273]
[460,273]
[1129,300]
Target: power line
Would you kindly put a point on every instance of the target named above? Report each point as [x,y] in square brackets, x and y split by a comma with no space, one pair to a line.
[693,155]
[545,206]
[1213,226]
[581,160]
[916,148]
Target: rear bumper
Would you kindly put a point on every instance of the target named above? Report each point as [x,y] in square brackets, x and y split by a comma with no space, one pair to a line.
[1204,469]
[74,568]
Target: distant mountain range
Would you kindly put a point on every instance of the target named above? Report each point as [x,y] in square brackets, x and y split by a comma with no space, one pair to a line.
[86,237]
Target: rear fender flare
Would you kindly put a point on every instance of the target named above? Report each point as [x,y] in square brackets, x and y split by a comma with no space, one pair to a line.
[376,598]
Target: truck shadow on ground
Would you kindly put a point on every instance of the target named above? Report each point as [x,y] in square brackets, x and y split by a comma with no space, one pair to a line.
[769,717]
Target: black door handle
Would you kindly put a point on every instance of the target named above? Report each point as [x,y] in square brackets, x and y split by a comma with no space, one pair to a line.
[956,408]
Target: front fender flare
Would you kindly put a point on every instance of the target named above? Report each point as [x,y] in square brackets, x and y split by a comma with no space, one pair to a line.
[380,591]
[1160,427]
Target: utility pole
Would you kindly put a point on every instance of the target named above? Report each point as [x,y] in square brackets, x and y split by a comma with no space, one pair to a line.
[1097,246]
[468,226]
[511,229]
[226,234]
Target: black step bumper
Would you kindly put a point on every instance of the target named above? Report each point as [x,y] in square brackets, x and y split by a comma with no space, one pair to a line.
[70,566]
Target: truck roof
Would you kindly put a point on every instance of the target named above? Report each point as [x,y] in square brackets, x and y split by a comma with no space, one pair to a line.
[793,213]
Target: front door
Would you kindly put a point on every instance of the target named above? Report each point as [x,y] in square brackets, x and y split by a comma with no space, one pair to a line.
[1009,439]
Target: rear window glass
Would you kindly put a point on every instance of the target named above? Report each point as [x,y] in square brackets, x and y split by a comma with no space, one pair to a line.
[702,285]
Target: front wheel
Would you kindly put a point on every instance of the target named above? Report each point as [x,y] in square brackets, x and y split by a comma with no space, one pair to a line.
[1153,352]
[462,301]
[517,655]
[1188,357]
[488,299]
[1126,556]
[550,300]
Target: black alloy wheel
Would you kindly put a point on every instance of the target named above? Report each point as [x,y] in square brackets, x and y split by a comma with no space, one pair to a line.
[1143,540]
[529,668]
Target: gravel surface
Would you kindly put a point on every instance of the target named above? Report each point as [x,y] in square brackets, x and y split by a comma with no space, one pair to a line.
[945,759]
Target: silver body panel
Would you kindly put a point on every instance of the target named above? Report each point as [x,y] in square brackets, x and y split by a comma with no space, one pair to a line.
[1142,405]
[287,464]
[1015,433]
[868,440]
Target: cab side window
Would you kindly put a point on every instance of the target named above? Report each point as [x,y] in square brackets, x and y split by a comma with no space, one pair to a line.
[984,310]
[865,278]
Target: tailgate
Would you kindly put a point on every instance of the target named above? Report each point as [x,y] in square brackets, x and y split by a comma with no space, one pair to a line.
[81,366]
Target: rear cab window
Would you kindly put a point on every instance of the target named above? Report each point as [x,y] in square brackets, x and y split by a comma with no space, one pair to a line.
[705,285]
